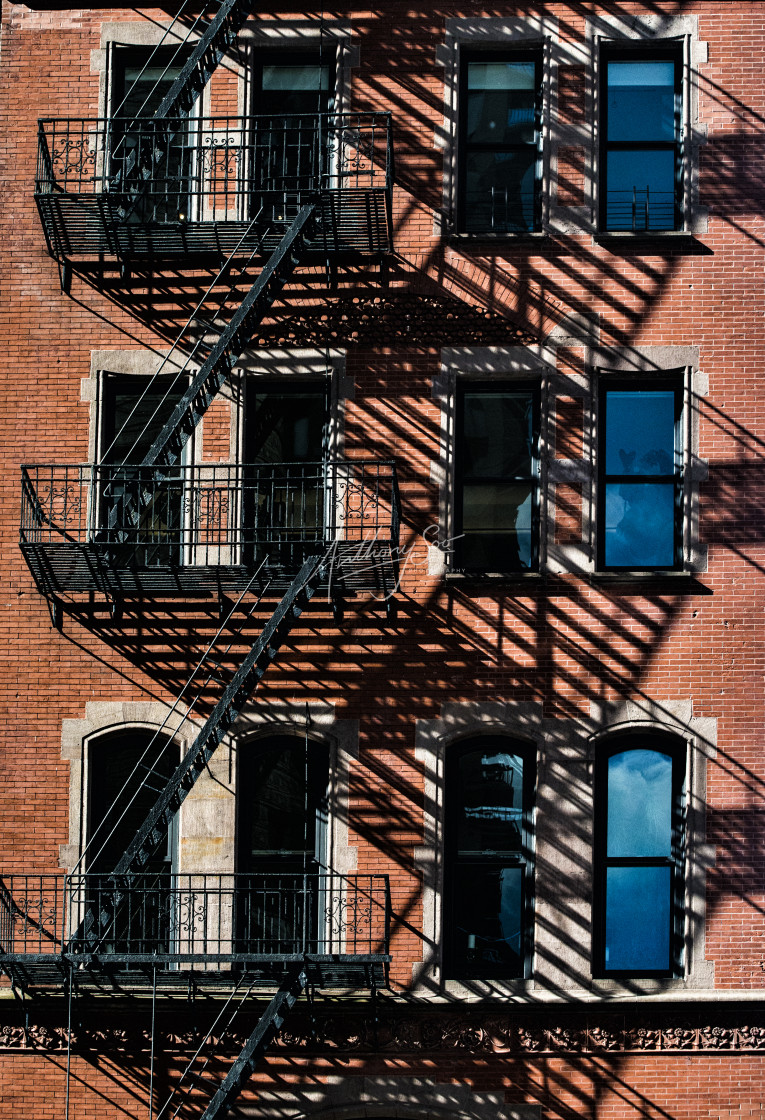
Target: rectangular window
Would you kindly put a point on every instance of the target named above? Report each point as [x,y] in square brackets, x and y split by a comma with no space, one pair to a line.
[488,868]
[293,95]
[640,514]
[497,495]
[140,147]
[641,156]
[285,490]
[500,136]
[134,411]
[639,859]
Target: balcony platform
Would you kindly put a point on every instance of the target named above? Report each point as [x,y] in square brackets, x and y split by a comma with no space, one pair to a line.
[201,933]
[112,975]
[209,529]
[168,190]
[348,223]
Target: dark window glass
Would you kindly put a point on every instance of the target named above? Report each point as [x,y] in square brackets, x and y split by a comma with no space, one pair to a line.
[640,860]
[641,143]
[500,137]
[282,804]
[497,469]
[285,449]
[134,413]
[141,78]
[281,904]
[487,887]
[127,772]
[140,81]
[641,476]
[292,95]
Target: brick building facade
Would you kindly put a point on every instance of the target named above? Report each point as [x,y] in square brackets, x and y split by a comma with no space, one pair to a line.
[407,358]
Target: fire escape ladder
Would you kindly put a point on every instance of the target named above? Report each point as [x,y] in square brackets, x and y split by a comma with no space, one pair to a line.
[218,37]
[257,1044]
[154,828]
[233,339]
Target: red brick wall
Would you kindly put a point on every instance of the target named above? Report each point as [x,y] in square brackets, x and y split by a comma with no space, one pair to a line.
[564,646]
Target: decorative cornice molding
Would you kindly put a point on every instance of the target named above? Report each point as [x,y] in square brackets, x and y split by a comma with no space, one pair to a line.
[426,1032]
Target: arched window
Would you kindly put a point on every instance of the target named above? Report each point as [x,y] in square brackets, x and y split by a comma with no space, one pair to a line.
[281,845]
[127,771]
[638,927]
[488,877]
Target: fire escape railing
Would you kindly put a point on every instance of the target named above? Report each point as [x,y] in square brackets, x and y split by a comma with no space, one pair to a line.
[212,166]
[203,921]
[211,514]
[105,182]
[276,188]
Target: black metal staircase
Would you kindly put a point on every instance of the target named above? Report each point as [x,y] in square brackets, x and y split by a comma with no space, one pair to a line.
[257,1044]
[95,205]
[218,38]
[154,828]
[233,338]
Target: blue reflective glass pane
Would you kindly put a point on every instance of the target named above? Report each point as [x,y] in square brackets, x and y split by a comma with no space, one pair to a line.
[640,432]
[639,804]
[491,802]
[501,103]
[500,191]
[640,525]
[642,104]
[641,190]
[638,912]
[498,435]
[488,919]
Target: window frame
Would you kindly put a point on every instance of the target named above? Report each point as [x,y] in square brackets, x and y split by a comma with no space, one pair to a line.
[671,381]
[661,743]
[470,54]
[534,389]
[640,51]
[451,967]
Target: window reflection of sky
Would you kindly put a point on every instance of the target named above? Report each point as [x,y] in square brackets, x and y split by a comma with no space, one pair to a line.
[640,440]
[640,525]
[642,105]
[639,804]
[637,918]
[640,432]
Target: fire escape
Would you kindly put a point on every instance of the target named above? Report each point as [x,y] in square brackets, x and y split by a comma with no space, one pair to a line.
[258,198]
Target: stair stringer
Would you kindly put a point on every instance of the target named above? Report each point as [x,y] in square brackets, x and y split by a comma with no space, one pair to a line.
[257,1044]
[216,368]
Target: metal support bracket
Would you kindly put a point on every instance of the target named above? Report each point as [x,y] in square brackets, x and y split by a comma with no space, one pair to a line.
[56,612]
[65,276]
